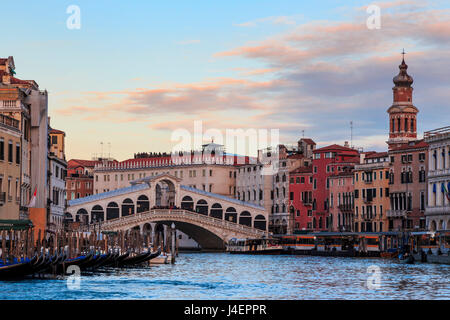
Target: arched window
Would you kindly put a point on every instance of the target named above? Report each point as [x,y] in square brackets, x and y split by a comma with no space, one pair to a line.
[187,203]
[97,214]
[143,204]
[127,207]
[260,222]
[112,211]
[216,211]
[202,207]
[82,216]
[245,218]
[231,215]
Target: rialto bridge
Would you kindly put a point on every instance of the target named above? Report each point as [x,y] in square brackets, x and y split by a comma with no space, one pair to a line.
[153,203]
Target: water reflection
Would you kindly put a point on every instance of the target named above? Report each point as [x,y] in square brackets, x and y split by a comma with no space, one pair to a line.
[223,276]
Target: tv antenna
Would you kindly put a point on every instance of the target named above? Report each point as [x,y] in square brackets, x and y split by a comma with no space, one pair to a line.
[351,134]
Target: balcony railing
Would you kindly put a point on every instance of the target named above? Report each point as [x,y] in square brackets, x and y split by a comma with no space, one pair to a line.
[439,172]
[437,210]
[11,122]
[396,213]
[345,207]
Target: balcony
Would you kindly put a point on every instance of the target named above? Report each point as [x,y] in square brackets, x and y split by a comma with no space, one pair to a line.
[345,208]
[438,173]
[437,210]
[396,213]
[367,200]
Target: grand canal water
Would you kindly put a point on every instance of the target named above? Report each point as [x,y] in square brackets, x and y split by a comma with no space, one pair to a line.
[224,276]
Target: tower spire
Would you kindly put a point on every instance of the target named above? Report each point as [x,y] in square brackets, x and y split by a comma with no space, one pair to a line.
[402,113]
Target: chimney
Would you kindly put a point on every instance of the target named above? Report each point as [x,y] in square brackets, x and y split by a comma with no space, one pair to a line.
[346,144]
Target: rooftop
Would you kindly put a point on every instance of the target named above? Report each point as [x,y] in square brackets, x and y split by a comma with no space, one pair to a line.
[335,147]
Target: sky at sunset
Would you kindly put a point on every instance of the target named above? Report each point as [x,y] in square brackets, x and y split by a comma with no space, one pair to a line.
[138,70]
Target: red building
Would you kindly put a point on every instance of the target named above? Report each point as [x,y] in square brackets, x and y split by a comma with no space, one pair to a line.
[300,197]
[80,178]
[328,161]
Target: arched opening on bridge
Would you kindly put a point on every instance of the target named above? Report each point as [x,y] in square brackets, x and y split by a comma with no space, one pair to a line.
[260,222]
[147,233]
[127,207]
[97,214]
[187,203]
[68,217]
[202,207]
[216,211]
[112,211]
[231,215]
[165,193]
[207,239]
[142,203]
[159,235]
[245,218]
[82,216]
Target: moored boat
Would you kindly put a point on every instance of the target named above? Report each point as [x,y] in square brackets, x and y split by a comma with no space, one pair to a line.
[254,246]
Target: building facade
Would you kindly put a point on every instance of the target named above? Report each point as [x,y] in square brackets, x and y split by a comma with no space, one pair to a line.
[10,188]
[266,183]
[341,201]
[300,196]
[57,184]
[372,200]
[328,161]
[80,177]
[437,211]
[23,101]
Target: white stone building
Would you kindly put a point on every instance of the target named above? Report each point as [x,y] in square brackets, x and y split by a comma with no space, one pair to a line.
[437,211]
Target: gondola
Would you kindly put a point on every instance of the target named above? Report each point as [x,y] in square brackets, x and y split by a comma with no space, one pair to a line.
[78,261]
[101,258]
[110,260]
[150,256]
[406,259]
[132,260]
[16,269]
[120,258]
[44,265]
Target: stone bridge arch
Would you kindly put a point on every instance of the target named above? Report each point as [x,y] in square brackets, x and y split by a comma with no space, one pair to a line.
[209,232]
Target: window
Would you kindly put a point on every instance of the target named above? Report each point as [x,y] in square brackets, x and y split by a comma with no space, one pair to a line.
[2,149]
[317,156]
[54,139]
[17,153]
[10,151]
[422,157]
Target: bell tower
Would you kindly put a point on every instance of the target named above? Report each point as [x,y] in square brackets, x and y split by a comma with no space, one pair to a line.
[402,113]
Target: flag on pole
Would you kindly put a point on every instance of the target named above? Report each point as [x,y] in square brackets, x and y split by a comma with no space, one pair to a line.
[33,199]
